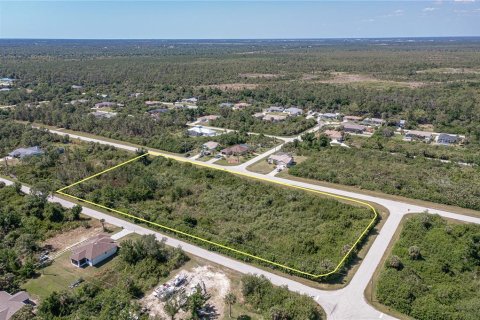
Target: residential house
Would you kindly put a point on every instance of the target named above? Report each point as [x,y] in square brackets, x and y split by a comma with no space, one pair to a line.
[6,82]
[208,118]
[74,102]
[238,149]
[103,114]
[241,106]
[226,105]
[274,117]
[353,128]
[10,304]
[105,104]
[446,139]
[274,109]
[26,152]
[96,250]
[192,100]
[153,103]
[184,105]
[374,122]
[334,135]
[352,119]
[329,116]
[199,131]
[157,111]
[293,111]
[418,135]
[281,159]
[401,123]
[209,147]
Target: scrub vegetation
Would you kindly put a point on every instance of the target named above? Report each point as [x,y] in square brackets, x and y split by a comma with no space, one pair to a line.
[433,270]
[312,233]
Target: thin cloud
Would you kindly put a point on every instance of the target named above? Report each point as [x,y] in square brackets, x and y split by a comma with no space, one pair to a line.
[429,9]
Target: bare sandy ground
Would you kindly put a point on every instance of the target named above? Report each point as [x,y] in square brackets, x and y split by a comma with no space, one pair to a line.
[217,285]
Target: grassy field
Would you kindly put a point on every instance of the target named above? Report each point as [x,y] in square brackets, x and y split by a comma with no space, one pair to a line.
[61,273]
[261,166]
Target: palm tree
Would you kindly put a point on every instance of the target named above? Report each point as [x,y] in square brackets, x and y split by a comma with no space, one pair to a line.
[102,221]
[230,299]
[171,308]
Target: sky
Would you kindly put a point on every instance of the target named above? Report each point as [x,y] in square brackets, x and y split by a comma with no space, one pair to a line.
[127,19]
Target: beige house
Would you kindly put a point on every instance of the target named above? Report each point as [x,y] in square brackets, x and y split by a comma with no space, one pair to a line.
[10,304]
[334,135]
[94,251]
[281,159]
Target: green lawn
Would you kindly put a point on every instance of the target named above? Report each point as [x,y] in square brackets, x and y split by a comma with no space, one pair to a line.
[261,166]
[61,273]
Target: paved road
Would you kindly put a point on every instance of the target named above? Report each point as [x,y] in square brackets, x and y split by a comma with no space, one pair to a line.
[346,303]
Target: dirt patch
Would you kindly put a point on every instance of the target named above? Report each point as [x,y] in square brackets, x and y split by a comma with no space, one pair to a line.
[71,237]
[231,86]
[451,71]
[216,283]
[259,75]
[426,127]
[346,78]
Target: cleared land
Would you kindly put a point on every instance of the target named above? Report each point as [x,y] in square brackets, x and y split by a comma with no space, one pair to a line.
[193,200]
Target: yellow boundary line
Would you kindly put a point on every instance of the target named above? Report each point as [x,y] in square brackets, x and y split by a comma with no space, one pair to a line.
[180,159]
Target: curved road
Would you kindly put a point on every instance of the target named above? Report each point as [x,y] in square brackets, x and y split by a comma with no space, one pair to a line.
[346,303]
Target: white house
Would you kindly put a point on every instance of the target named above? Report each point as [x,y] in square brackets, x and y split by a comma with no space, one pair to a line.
[293,111]
[281,159]
[94,251]
[199,131]
[190,100]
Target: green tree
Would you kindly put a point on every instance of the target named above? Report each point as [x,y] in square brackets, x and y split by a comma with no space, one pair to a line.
[230,299]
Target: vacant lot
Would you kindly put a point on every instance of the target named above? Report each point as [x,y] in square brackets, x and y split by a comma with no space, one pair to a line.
[312,233]
[397,174]
[433,270]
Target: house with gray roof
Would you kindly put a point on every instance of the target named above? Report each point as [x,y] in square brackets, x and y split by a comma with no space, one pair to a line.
[447,139]
[10,304]
[94,251]
[21,153]
[293,111]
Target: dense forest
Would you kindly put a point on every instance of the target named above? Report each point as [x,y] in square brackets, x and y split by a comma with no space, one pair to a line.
[372,165]
[192,200]
[25,221]
[426,81]
[433,270]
